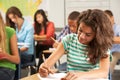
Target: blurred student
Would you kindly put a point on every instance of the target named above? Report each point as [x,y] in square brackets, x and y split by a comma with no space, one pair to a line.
[9,56]
[24,31]
[115,50]
[68,29]
[88,50]
[44,30]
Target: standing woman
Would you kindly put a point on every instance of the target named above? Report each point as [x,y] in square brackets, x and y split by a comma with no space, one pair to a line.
[44,30]
[24,31]
[9,56]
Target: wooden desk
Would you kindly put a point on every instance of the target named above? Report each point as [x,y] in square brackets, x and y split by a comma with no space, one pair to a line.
[32,77]
[36,77]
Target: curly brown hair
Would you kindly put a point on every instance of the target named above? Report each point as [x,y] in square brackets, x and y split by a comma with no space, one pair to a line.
[102,27]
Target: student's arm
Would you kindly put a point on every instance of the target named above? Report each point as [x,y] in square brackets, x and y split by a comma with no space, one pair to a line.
[28,39]
[116,40]
[14,56]
[102,72]
[44,68]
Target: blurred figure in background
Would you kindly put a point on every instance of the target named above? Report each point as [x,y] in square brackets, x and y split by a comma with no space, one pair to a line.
[116,46]
[68,29]
[9,56]
[44,30]
[25,33]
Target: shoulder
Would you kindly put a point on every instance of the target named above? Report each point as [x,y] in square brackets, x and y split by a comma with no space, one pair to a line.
[28,25]
[9,29]
[71,36]
[50,23]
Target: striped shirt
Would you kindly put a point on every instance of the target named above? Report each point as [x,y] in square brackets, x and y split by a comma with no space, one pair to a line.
[77,59]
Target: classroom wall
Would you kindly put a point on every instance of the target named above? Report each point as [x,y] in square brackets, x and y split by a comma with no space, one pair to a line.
[57,10]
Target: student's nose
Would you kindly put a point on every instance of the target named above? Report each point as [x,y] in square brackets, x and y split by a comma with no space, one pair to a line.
[82,35]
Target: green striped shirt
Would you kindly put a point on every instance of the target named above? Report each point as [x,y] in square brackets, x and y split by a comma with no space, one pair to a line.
[77,59]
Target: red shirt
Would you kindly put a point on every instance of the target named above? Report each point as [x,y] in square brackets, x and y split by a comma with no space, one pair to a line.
[50,32]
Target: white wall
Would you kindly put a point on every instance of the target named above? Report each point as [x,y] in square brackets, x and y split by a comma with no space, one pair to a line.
[56,11]
[115,8]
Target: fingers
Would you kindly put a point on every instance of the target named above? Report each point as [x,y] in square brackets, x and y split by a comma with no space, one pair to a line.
[70,76]
[44,71]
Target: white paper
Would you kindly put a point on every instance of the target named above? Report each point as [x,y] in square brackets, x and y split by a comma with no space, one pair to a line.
[55,76]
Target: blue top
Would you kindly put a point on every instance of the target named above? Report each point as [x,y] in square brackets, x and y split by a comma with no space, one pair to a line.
[116,47]
[25,36]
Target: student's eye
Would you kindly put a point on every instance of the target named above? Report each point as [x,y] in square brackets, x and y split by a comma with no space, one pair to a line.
[88,35]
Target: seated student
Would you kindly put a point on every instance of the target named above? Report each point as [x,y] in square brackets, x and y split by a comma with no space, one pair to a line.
[24,31]
[115,50]
[88,51]
[70,28]
[9,56]
[44,30]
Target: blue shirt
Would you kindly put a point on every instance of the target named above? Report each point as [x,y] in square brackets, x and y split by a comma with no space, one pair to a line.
[116,47]
[25,36]
[65,31]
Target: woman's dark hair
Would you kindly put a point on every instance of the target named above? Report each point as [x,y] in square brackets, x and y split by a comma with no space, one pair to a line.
[38,26]
[15,11]
[101,25]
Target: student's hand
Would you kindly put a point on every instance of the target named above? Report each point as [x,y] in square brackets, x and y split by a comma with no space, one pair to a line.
[71,76]
[2,55]
[55,45]
[44,70]
[35,36]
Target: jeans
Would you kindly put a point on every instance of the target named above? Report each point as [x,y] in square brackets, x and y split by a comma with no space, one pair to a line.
[6,74]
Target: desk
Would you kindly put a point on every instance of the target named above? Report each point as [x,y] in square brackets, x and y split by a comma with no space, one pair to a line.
[58,76]
[32,77]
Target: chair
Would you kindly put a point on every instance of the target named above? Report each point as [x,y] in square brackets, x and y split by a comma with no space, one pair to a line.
[30,65]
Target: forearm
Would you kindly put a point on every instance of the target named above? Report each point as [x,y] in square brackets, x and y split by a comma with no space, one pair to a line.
[22,49]
[40,38]
[13,58]
[94,74]
[116,40]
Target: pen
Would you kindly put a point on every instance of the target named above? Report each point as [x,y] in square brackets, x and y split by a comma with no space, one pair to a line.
[53,39]
[49,71]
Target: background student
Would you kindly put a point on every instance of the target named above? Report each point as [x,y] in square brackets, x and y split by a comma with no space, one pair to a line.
[24,31]
[70,28]
[44,30]
[115,50]
[9,56]
[87,51]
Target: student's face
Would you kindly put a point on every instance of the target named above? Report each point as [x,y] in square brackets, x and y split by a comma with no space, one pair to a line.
[85,34]
[39,18]
[13,18]
[72,25]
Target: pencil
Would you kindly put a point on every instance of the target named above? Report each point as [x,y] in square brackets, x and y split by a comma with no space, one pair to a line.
[53,39]
[45,64]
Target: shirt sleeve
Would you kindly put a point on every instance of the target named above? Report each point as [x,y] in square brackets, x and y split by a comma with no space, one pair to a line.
[65,41]
[29,37]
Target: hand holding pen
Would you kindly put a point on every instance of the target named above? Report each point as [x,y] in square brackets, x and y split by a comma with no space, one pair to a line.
[44,70]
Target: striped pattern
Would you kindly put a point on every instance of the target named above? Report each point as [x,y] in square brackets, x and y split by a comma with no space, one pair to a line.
[76,56]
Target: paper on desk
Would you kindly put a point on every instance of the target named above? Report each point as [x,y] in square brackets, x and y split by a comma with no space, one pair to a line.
[55,76]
